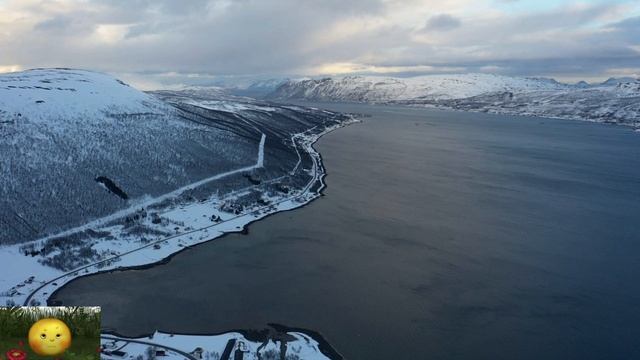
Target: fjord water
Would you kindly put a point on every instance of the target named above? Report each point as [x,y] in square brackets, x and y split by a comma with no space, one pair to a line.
[441,235]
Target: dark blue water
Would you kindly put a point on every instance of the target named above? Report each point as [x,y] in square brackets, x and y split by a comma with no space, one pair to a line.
[442,235]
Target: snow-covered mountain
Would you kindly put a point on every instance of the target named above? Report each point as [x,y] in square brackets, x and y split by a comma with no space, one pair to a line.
[619,104]
[615,81]
[384,89]
[616,100]
[265,85]
[40,94]
[79,145]
[254,88]
[203,91]
[61,131]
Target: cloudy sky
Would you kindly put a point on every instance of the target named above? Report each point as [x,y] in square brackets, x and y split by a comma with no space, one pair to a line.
[156,43]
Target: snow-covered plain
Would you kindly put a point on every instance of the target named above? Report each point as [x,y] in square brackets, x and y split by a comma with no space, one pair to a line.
[233,161]
[615,100]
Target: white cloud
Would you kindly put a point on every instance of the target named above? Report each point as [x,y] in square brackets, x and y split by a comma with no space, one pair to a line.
[110,33]
[10,68]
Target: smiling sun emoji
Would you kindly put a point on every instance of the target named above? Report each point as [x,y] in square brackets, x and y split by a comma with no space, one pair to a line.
[49,337]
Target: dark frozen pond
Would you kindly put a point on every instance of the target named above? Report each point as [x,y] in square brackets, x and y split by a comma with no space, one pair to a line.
[442,235]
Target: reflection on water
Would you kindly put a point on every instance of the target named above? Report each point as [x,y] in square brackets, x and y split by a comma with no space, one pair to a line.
[442,235]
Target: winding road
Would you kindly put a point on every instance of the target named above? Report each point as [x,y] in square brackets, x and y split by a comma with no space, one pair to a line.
[259,163]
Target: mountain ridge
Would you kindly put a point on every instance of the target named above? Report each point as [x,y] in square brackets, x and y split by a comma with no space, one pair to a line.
[616,100]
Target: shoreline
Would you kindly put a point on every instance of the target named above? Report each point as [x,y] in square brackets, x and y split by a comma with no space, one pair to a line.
[323,345]
[244,230]
[322,264]
[252,335]
[275,340]
[37,291]
[492,111]
[310,341]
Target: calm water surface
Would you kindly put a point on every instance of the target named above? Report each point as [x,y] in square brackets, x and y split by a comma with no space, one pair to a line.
[441,235]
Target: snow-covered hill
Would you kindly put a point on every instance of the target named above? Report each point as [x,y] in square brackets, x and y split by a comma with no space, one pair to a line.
[45,93]
[255,88]
[79,145]
[383,89]
[65,135]
[616,100]
[618,103]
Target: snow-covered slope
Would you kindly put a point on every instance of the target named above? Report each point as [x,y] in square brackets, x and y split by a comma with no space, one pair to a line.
[201,92]
[67,135]
[383,89]
[265,86]
[44,93]
[615,81]
[254,88]
[616,100]
[618,103]
[95,175]
[79,145]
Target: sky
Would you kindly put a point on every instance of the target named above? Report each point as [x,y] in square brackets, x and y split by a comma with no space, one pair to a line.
[165,43]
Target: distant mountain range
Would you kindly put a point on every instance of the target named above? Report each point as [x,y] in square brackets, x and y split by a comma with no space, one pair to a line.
[384,89]
[616,100]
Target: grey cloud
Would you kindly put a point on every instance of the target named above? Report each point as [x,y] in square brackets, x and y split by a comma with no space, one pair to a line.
[628,29]
[255,37]
[54,23]
[442,22]
[628,24]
